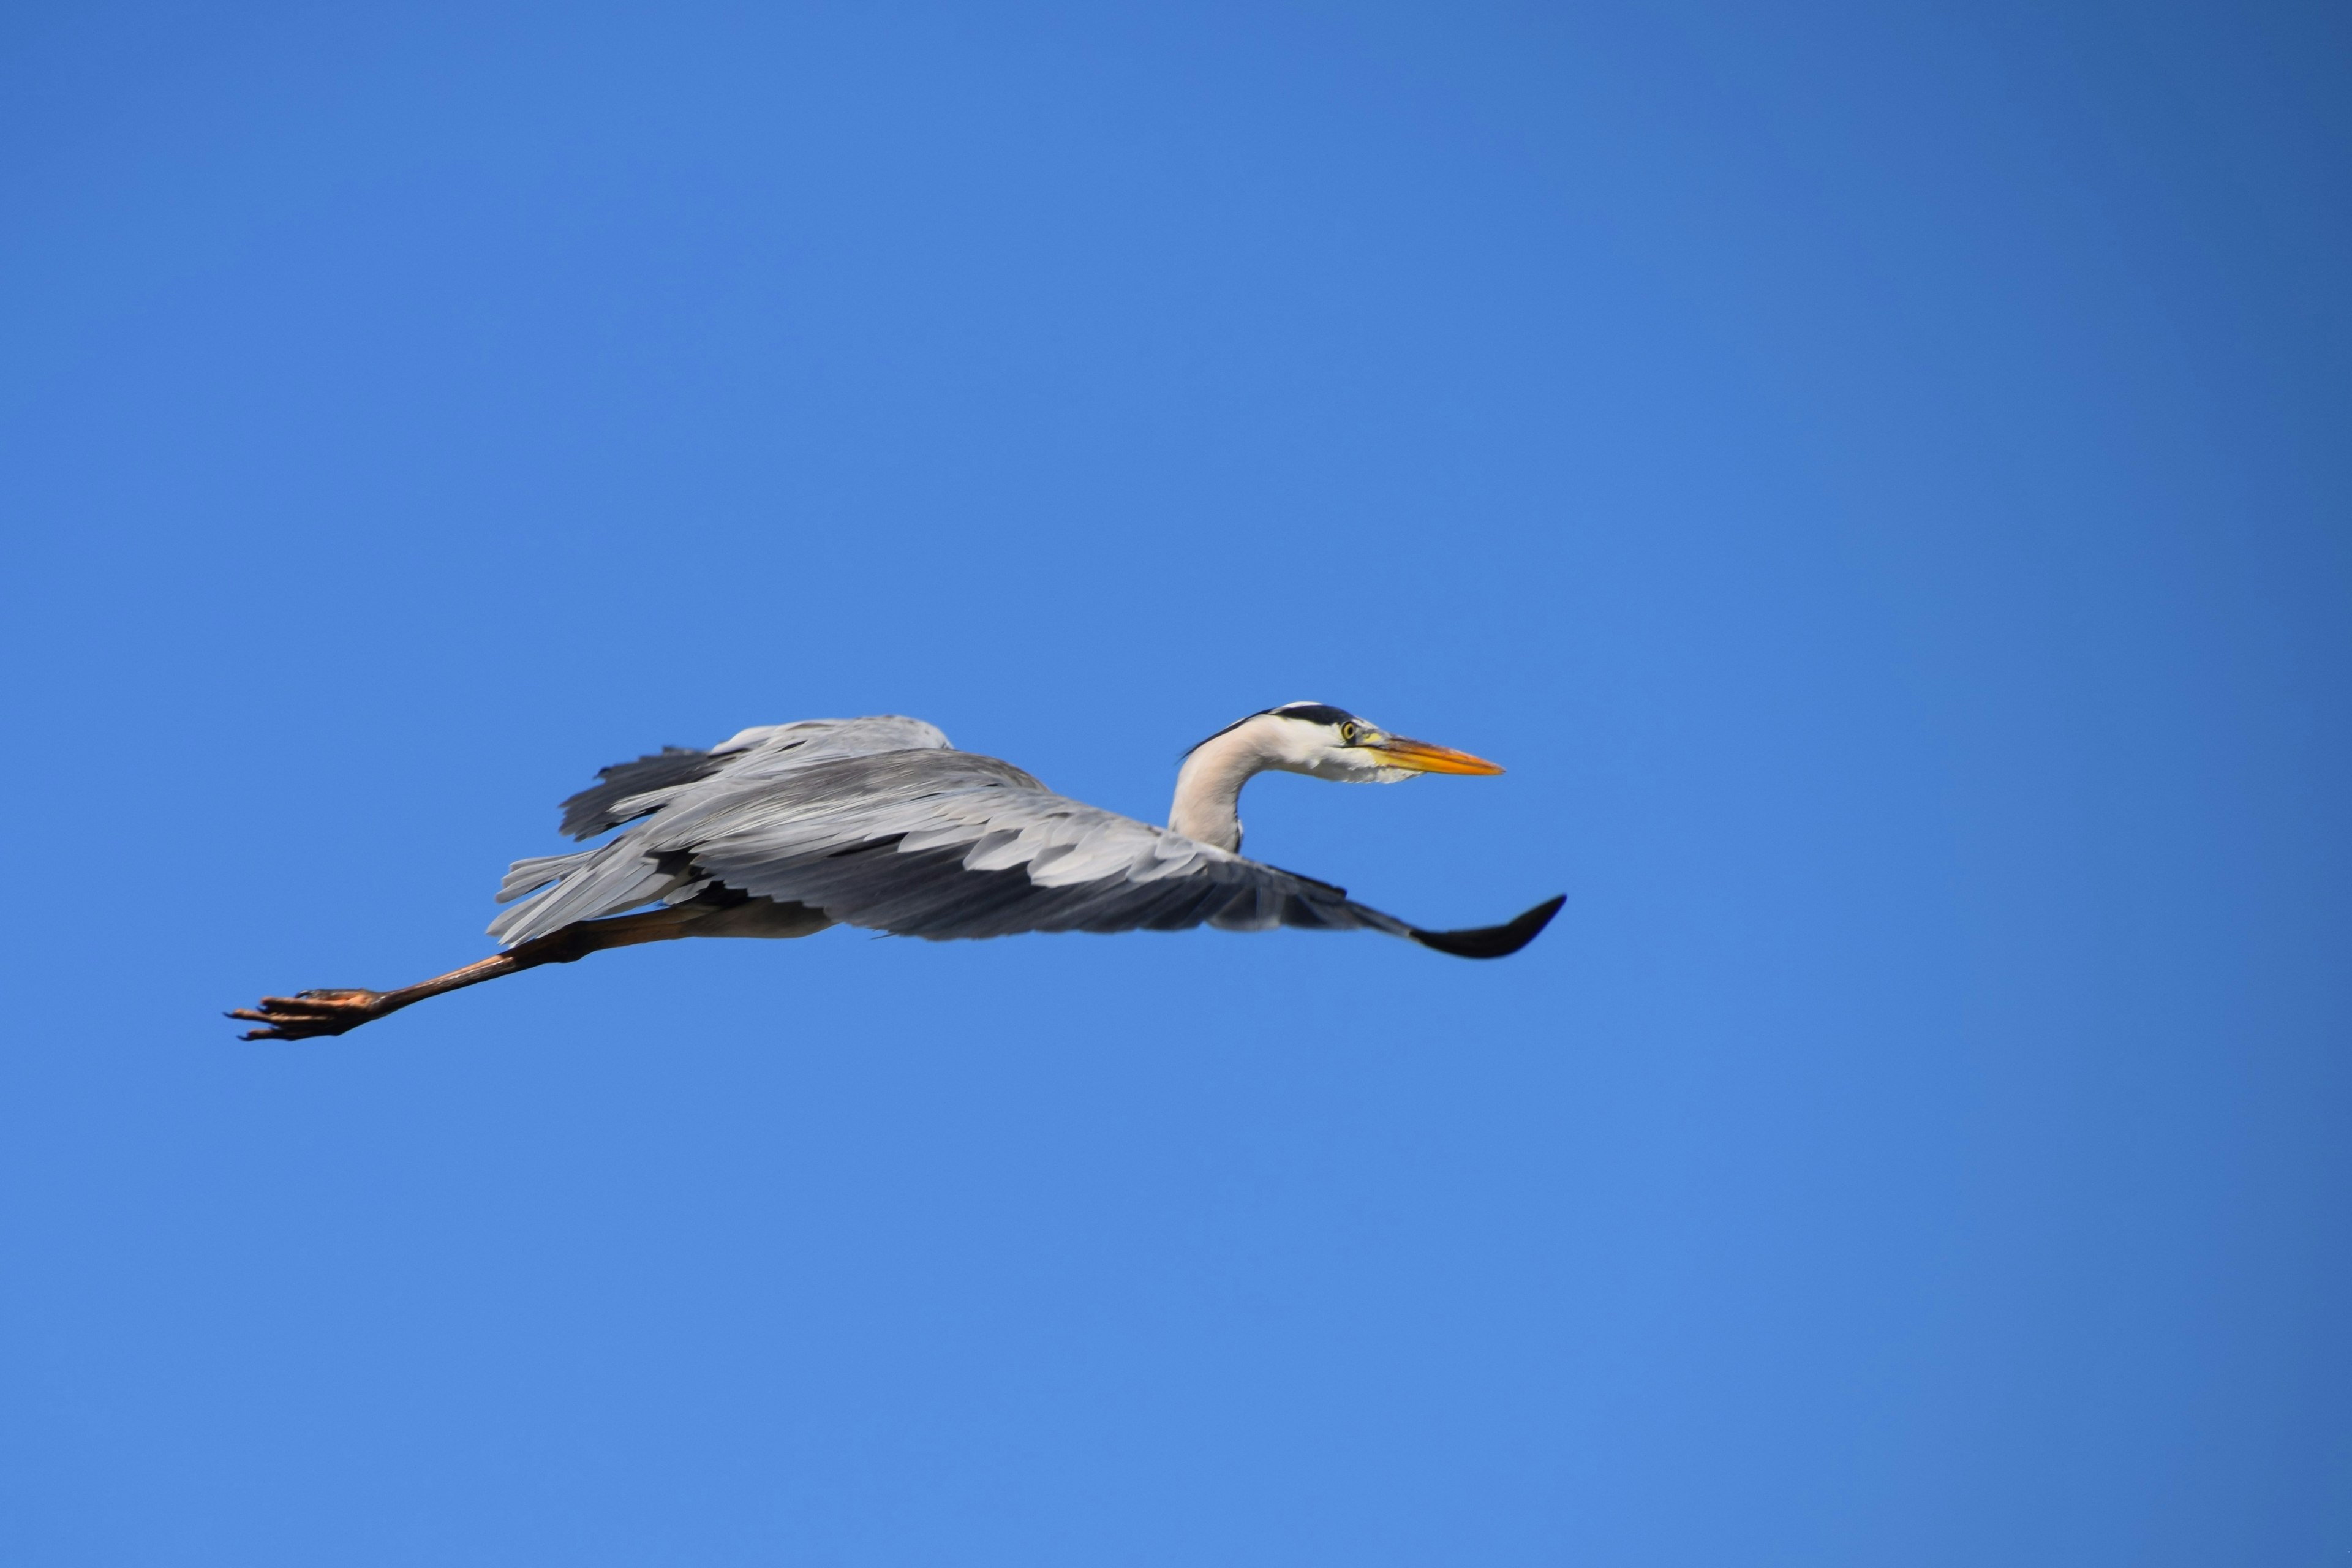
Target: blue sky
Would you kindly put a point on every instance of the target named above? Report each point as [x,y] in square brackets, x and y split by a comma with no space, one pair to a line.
[1876,475]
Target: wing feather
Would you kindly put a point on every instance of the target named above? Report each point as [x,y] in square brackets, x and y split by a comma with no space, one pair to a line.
[629,790]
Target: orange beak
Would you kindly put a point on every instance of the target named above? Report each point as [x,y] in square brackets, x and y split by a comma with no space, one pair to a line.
[1396,752]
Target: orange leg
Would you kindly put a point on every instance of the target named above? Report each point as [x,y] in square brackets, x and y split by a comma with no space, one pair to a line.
[331,1012]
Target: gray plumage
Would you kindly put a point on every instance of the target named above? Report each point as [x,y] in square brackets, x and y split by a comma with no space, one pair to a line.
[786,829]
[880,823]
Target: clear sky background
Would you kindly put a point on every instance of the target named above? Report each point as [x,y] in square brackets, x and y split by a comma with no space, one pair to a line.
[1879,476]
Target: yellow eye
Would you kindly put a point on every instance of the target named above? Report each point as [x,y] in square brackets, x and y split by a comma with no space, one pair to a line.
[1347,734]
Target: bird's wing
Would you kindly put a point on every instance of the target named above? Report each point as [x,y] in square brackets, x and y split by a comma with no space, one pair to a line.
[620,791]
[942,844]
[632,789]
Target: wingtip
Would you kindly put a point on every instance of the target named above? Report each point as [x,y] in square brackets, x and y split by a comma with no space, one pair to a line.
[1494,942]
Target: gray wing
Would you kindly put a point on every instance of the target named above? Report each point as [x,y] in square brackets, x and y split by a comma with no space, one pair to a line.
[940,844]
[629,790]
[617,794]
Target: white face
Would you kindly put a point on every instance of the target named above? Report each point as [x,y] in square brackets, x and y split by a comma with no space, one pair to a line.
[1332,744]
[1325,747]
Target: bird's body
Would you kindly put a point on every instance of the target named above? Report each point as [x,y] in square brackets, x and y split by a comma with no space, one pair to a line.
[783,830]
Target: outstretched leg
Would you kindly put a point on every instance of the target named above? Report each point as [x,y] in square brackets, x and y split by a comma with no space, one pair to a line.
[310,1013]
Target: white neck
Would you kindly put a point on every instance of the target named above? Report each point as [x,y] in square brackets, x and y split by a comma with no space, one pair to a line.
[1209,787]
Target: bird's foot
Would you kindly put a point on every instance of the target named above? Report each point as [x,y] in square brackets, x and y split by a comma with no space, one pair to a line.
[309,1013]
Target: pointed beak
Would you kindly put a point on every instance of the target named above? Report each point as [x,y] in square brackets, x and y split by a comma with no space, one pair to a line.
[1396,752]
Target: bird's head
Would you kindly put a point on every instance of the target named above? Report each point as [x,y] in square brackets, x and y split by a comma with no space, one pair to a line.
[1311,738]
[1328,742]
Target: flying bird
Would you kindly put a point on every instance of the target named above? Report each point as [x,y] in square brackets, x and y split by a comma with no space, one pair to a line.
[786,829]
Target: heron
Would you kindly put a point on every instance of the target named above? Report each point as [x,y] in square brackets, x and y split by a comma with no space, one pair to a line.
[785,829]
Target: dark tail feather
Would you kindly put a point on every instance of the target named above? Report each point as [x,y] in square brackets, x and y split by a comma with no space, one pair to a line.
[1493,942]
